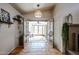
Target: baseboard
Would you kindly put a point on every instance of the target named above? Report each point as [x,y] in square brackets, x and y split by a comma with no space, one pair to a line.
[16,50]
[57,49]
[11,51]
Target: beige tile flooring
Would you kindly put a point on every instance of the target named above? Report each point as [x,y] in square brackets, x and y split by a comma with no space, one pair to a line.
[39,46]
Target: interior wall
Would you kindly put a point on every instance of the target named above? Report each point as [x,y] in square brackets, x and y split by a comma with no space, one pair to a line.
[8,36]
[26,27]
[50,30]
[61,10]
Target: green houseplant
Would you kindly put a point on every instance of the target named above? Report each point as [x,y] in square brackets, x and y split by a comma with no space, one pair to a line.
[65,36]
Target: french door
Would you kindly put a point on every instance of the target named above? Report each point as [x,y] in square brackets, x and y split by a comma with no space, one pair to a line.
[37,28]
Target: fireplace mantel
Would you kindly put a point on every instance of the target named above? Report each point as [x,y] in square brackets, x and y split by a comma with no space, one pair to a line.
[74,25]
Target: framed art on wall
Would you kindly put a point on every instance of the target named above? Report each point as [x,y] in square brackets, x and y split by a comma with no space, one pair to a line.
[5,16]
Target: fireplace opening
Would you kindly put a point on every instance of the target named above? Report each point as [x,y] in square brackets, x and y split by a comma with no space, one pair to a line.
[73,41]
[78,42]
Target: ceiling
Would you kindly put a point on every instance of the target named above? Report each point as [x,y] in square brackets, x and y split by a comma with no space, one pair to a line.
[30,7]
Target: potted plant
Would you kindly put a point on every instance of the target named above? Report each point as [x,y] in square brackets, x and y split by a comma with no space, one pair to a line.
[65,36]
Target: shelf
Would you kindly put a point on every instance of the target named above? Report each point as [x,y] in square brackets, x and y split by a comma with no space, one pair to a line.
[17,19]
[6,22]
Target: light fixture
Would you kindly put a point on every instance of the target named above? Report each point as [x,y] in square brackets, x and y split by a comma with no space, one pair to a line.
[38,13]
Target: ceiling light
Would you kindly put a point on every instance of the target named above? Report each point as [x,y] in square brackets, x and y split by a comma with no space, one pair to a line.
[38,13]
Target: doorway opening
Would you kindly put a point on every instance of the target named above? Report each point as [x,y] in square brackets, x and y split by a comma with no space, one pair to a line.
[38,36]
[37,30]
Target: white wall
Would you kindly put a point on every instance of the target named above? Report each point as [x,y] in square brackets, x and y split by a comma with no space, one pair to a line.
[61,10]
[8,36]
[50,30]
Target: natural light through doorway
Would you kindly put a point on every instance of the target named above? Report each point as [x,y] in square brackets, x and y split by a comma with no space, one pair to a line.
[37,28]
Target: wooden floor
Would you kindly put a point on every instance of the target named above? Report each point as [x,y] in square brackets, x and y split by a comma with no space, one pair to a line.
[38,46]
[16,51]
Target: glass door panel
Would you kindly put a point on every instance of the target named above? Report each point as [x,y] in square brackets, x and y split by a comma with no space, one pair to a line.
[40,30]
[35,29]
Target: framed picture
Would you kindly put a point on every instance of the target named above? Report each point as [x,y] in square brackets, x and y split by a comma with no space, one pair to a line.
[4,16]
